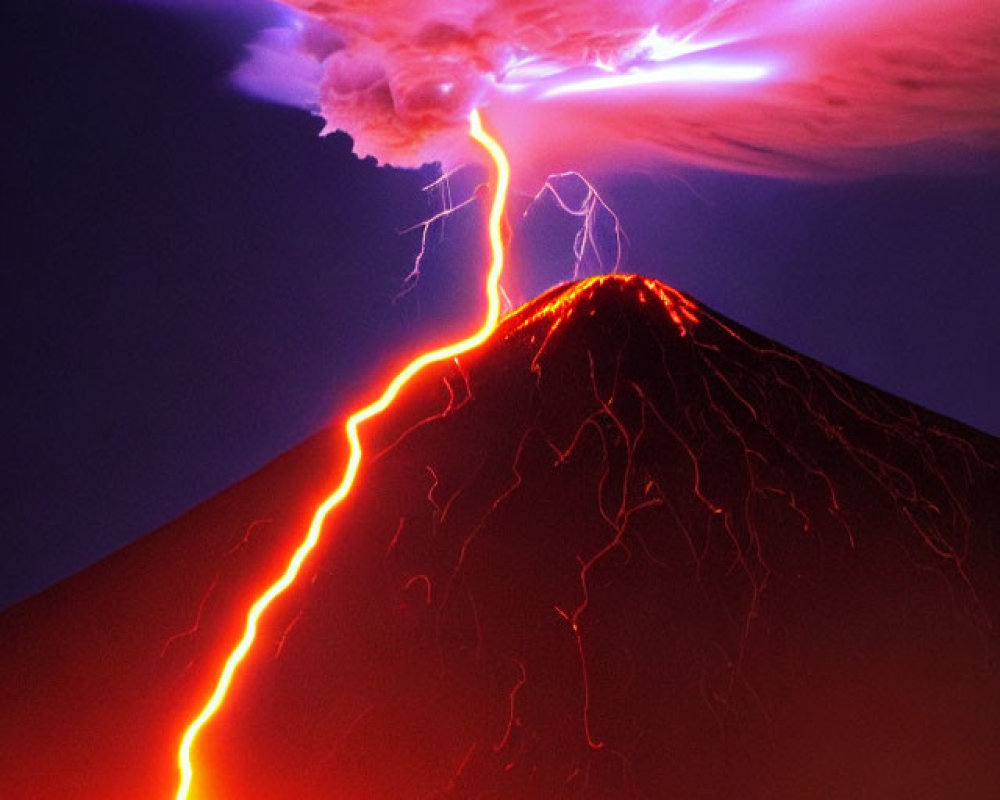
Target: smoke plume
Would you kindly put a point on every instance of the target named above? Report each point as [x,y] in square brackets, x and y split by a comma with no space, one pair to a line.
[807,87]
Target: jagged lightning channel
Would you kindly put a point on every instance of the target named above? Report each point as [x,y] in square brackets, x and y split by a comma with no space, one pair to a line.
[478,134]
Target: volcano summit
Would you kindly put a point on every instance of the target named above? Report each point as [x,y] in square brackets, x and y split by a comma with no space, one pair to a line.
[625,549]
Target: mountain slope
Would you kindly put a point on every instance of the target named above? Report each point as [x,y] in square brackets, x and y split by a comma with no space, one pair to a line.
[626,549]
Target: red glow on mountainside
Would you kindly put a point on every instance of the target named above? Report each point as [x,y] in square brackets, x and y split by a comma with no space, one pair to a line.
[561,307]
[477,133]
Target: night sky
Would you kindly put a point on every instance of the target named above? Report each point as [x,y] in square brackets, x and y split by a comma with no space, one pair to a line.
[195,281]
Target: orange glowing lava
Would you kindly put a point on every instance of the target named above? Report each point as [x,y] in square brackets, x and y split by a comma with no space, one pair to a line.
[561,307]
[477,133]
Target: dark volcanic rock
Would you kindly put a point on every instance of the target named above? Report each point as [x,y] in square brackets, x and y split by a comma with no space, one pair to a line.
[628,549]
[621,552]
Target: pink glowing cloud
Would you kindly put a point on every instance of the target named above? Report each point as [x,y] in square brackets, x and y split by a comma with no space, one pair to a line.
[810,87]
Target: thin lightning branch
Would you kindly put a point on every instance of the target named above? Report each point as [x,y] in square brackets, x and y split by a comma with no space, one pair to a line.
[588,210]
[447,209]
[374,409]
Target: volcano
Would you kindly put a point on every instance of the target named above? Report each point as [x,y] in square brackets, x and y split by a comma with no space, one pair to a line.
[626,549]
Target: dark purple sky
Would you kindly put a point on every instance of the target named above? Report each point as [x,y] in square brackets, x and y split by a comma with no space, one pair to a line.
[195,281]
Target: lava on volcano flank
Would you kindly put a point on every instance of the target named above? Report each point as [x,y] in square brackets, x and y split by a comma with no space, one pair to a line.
[625,549]
[629,549]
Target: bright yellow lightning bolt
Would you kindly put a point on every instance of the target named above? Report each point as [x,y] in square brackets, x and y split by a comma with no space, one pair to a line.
[477,132]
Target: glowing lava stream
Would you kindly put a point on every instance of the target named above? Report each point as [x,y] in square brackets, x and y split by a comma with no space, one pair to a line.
[351,429]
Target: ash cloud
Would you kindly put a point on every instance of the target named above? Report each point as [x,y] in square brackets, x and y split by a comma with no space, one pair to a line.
[840,86]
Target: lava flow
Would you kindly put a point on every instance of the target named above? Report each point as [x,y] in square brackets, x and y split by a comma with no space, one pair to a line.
[375,408]
[634,550]
[623,549]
